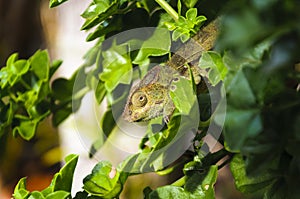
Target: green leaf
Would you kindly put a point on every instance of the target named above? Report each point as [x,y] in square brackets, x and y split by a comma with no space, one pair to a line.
[235,122]
[40,64]
[20,191]
[157,45]
[103,181]
[12,73]
[36,195]
[169,192]
[185,27]
[54,3]
[98,12]
[62,89]
[62,181]
[61,114]
[183,95]
[59,195]
[190,3]
[26,128]
[117,67]
[245,183]
[96,8]
[108,122]
[217,70]
[115,24]
[100,92]
[54,66]
[7,113]
[206,188]
[197,187]
[191,14]
[239,92]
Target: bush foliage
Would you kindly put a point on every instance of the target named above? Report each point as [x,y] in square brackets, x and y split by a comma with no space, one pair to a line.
[255,65]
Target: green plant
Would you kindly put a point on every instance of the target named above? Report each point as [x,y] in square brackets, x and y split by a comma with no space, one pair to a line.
[254,64]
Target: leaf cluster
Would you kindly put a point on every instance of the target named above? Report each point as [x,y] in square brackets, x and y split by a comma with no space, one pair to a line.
[255,66]
[262,116]
[25,94]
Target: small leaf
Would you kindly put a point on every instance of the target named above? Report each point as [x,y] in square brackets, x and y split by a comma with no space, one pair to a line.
[103,181]
[26,128]
[100,92]
[36,195]
[217,70]
[95,8]
[40,64]
[20,191]
[54,3]
[191,14]
[59,195]
[190,3]
[54,66]
[103,14]
[62,181]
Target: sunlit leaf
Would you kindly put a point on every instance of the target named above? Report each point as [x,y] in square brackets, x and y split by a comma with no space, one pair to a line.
[117,67]
[157,45]
[54,3]
[214,63]
[20,191]
[103,181]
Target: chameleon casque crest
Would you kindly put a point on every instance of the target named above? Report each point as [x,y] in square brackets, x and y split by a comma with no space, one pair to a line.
[150,98]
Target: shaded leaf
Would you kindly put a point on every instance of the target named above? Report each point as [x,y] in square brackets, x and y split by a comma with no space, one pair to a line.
[245,183]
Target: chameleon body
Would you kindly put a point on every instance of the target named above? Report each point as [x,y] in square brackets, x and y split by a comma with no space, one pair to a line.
[150,98]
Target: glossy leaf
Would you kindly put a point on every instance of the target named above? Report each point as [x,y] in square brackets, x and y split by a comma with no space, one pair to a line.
[183,96]
[157,45]
[214,63]
[117,67]
[54,3]
[62,181]
[103,181]
[98,12]
[20,191]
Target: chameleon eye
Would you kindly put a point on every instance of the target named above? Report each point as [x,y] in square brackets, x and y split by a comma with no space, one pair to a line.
[139,99]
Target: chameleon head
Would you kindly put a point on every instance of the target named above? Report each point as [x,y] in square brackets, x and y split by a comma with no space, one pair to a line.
[136,107]
[145,103]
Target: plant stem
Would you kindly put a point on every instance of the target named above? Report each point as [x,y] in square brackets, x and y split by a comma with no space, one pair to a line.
[180,182]
[168,9]
[203,124]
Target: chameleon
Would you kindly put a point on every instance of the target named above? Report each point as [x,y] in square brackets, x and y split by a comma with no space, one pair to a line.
[150,97]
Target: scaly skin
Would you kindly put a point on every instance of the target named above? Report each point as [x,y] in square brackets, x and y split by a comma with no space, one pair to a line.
[150,98]
[154,87]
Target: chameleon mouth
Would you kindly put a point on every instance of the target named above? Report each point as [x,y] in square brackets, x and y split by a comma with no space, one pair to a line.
[138,120]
